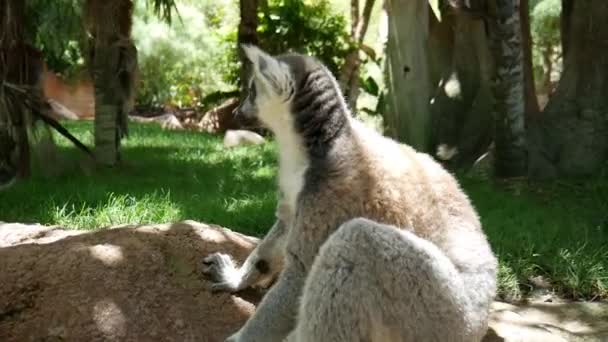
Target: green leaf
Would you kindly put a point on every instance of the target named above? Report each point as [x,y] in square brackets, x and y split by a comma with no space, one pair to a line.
[370,86]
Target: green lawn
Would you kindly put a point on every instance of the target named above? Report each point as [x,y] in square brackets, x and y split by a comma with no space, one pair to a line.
[558,231]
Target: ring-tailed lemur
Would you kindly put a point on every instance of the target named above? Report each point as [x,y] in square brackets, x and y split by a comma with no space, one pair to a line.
[373,241]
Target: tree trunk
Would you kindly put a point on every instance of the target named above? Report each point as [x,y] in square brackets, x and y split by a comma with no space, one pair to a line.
[247,34]
[532,108]
[349,76]
[571,137]
[566,17]
[16,68]
[508,89]
[462,102]
[407,114]
[113,64]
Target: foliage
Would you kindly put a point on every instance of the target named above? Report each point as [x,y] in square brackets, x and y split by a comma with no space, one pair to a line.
[310,27]
[181,63]
[545,29]
[371,99]
[545,23]
[54,26]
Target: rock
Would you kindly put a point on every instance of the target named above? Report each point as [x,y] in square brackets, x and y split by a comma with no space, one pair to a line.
[234,138]
[166,121]
[221,119]
[143,283]
[137,283]
[60,111]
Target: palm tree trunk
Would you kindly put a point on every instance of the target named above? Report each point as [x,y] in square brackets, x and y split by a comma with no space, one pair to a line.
[113,66]
[508,88]
[14,69]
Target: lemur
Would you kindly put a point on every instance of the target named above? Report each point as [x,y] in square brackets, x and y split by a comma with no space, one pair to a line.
[373,240]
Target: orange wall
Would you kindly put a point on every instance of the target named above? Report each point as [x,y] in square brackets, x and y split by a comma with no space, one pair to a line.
[76,96]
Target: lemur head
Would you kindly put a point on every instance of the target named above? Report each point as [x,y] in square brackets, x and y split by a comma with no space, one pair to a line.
[294,92]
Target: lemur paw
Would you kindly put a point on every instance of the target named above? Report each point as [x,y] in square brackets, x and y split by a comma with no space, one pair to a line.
[223,272]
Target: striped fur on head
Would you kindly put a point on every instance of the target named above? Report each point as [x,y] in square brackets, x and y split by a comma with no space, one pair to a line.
[296,92]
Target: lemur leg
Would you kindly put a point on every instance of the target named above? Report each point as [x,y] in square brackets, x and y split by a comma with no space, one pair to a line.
[375,283]
[262,265]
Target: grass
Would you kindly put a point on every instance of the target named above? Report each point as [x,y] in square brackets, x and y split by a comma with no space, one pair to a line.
[557,232]
[166,176]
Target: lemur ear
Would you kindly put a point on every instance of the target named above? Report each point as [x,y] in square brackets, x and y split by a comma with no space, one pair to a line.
[272,72]
[253,53]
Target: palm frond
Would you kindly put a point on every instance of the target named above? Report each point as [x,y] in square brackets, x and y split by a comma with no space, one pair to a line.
[164,8]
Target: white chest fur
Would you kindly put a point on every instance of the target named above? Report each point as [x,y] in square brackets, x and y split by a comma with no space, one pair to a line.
[292,168]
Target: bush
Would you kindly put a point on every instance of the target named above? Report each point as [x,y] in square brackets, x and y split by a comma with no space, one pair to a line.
[306,27]
[183,62]
[545,29]
[197,55]
[55,27]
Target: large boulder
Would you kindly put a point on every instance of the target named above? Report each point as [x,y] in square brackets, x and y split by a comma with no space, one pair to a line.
[143,283]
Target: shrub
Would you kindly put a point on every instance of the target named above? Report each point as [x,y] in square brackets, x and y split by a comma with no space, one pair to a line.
[309,27]
[306,27]
[182,62]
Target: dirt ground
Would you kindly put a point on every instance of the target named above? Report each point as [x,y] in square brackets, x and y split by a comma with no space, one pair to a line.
[124,284]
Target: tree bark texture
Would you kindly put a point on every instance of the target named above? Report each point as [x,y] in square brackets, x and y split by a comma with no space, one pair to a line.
[407,115]
[571,137]
[20,65]
[247,34]
[113,65]
[462,101]
[567,6]
[532,108]
[508,89]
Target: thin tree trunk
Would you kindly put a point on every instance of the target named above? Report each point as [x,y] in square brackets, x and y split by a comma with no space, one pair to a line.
[349,76]
[15,67]
[247,34]
[508,88]
[567,6]
[407,115]
[532,108]
[571,137]
[113,64]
